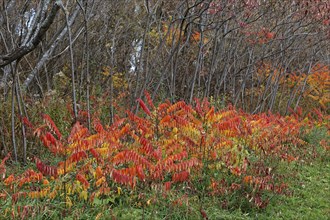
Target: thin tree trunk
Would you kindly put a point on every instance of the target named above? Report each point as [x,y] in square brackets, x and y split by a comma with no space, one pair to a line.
[304,86]
[73,77]
[19,104]
[13,134]
[86,19]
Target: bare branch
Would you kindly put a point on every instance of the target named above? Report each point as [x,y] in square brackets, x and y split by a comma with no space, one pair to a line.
[27,47]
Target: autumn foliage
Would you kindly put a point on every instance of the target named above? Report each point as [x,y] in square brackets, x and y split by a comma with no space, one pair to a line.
[165,147]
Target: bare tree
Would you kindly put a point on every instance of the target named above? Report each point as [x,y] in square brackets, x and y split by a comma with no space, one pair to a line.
[241,52]
[32,35]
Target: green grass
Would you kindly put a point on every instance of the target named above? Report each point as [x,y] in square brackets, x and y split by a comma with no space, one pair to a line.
[310,200]
[309,183]
[311,195]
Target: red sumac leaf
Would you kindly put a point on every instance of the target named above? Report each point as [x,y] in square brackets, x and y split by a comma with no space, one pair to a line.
[98,127]
[27,122]
[149,100]
[167,186]
[50,138]
[166,119]
[51,125]
[140,173]
[95,154]
[203,213]
[45,169]
[121,178]
[180,177]
[78,156]
[143,106]
[83,180]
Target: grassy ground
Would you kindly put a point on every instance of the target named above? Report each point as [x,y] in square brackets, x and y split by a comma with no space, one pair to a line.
[310,200]
[309,183]
[311,195]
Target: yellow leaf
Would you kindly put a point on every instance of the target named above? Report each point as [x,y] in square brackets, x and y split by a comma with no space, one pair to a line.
[98,216]
[100,181]
[52,195]
[44,193]
[33,195]
[106,71]
[68,202]
[69,189]
[83,195]
[314,97]
[60,171]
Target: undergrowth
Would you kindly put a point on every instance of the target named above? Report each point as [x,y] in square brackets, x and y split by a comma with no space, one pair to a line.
[170,161]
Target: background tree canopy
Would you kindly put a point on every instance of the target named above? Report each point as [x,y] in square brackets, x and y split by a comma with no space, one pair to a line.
[256,55]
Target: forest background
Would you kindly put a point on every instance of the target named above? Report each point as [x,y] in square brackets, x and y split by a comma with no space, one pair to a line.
[92,64]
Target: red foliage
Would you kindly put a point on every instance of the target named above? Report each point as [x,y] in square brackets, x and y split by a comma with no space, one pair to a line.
[122,178]
[82,180]
[76,157]
[45,169]
[47,119]
[167,186]
[27,123]
[149,100]
[136,151]
[203,213]
[180,177]
[144,107]
[3,167]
